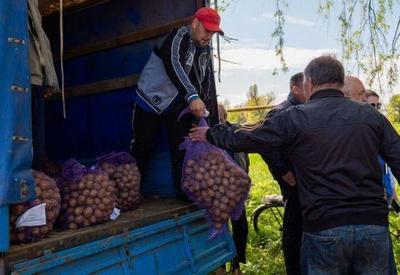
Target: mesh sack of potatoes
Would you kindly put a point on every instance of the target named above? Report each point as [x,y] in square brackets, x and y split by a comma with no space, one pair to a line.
[214,182]
[47,193]
[124,172]
[87,196]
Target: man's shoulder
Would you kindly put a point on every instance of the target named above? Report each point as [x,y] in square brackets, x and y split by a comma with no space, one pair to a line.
[284,105]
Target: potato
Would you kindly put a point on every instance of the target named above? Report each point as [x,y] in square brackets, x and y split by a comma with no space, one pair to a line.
[79,220]
[87,211]
[46,192]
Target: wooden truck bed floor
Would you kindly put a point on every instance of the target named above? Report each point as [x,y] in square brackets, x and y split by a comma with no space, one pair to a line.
[150,211]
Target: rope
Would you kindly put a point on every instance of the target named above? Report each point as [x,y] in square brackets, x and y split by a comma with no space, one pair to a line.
[62,58]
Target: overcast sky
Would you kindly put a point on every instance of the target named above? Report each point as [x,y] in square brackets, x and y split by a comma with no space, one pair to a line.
[307,35]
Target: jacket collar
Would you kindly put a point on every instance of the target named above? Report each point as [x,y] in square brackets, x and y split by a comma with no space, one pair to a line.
[327,93]
[292,99]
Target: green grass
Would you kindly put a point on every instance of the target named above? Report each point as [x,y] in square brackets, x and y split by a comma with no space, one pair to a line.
[264,254]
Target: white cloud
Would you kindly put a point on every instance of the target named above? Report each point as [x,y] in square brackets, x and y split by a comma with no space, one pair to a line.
[257,59]
[289,19]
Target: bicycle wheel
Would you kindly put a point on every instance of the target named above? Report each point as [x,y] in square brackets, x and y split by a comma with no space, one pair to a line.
[270,214]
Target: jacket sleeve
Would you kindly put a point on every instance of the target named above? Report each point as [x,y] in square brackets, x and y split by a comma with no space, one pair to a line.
[390,147]
[275,159]
[172,52]
[270,135]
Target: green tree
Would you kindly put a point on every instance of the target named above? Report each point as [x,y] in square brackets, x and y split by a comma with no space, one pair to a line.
[254,99]
[393,109]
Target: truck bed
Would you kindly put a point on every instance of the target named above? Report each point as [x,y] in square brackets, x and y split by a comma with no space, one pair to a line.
[149,212]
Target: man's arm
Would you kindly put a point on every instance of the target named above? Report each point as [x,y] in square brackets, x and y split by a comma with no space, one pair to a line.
[270,135]
[390,147]
[171,52]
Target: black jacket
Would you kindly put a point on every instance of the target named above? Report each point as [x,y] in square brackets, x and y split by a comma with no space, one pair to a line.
[278,162]
[241,159]
[334,144]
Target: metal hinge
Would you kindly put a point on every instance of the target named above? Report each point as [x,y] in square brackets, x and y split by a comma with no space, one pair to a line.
[16,40]
[24,189]
[16,88]
[20,138]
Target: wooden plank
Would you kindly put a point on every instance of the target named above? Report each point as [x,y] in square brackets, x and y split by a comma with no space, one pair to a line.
[48,7]
[98,87]
[125,39]
[149,212]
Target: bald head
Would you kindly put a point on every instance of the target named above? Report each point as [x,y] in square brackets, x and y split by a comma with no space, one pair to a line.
[354,88]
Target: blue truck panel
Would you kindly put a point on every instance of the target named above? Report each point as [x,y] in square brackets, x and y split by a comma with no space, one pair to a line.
[115,18]
[173,246]
[15,140]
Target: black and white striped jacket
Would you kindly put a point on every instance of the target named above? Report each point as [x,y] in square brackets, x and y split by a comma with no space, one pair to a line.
[177,72]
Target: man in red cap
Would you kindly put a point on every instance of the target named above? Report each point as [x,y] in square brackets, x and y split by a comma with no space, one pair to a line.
[178,74]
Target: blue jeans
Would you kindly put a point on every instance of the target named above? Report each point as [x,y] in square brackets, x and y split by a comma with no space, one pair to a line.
[349,249]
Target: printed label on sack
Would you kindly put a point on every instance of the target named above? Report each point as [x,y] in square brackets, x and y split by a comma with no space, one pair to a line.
[34,216]
[115,214]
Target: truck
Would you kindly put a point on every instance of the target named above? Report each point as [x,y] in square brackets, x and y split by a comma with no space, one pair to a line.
[105,45]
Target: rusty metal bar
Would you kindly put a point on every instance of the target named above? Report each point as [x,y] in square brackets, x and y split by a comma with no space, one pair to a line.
[249,109]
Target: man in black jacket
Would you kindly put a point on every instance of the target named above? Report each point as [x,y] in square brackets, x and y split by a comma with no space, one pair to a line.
[334,144]
[282,171]
[178,74]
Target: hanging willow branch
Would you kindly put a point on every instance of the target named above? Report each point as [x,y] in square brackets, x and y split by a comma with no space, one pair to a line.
[279,33]
[365,38]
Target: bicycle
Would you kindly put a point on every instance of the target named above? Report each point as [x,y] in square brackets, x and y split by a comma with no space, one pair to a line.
[275,205]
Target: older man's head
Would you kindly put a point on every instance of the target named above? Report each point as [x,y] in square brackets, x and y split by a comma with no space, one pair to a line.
[354,88]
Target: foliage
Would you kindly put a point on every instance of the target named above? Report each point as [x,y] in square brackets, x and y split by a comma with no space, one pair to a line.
[279,33]
[264,255]
[364,36]
[254,98]
[393,109]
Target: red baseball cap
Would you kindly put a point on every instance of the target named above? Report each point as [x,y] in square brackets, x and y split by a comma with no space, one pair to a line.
[210,19]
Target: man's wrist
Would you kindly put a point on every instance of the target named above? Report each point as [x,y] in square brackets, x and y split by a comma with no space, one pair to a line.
[192,97]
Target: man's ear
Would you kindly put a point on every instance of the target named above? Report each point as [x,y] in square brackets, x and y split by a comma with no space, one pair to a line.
[194,23]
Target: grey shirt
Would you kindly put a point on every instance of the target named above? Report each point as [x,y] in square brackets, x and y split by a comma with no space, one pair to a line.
[40,56]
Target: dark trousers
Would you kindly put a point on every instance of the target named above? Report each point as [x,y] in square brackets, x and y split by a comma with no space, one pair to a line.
[292,232]
[38,127]
[146,126]
[240,231]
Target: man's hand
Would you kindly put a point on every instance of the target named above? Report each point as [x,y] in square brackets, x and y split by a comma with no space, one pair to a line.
[197,107]
[47,92]
[198,133]
[289,178]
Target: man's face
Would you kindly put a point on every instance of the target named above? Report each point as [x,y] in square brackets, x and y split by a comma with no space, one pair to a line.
[298,92]
[357,91]
[200,35]
[374,102]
